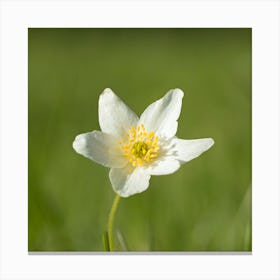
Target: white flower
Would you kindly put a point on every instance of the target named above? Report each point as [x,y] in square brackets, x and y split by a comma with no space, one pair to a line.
[136,148]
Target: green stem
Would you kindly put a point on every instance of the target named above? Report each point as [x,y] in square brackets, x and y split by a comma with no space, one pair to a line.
[111,222]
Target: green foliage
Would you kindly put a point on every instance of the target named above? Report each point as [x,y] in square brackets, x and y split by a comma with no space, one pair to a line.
[206,205]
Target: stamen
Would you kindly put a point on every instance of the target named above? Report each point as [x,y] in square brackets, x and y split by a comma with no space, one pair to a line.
[140,146]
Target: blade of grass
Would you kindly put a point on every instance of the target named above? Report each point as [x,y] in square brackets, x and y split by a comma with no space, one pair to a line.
[122,241]
[105,240]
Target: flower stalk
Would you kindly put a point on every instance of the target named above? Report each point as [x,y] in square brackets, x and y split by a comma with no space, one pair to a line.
[111,222]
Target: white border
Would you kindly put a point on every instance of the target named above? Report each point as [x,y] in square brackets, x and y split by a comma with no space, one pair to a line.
[17,16]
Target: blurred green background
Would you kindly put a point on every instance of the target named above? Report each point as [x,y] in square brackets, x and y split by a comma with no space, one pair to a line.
[206,205]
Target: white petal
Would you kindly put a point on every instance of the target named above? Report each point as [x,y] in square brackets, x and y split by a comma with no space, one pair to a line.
[186,150]
[162,115]
[115,117]
[164,166]
[127,183]
[99,147]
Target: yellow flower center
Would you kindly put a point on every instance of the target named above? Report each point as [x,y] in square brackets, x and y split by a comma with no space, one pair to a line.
[140,147]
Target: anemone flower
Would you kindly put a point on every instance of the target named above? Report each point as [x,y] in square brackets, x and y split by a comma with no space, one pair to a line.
[135,148]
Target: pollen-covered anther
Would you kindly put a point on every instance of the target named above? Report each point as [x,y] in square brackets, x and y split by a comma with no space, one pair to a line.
[140,146]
